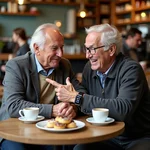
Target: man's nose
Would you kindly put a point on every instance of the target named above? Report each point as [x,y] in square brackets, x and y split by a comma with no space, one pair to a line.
[88,55]
[60,52]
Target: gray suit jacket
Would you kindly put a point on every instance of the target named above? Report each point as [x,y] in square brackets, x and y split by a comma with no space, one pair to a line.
[21,85]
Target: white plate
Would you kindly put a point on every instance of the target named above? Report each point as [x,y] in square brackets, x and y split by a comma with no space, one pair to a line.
[39,118]
[42,125]
[108,121]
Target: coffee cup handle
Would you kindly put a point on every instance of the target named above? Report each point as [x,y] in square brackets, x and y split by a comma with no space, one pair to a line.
[21,113]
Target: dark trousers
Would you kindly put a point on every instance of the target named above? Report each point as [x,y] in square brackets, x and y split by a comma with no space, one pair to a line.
[11,145]
[115,144]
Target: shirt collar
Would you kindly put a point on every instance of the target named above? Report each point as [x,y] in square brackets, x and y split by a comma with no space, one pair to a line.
[101,74]
[41,70]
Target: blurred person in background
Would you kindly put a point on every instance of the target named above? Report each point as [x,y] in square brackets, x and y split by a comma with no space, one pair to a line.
[131,43]
[20,46]
[19,37]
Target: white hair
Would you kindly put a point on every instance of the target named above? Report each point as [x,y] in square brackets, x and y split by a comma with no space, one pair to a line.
[109,35]
[39,36]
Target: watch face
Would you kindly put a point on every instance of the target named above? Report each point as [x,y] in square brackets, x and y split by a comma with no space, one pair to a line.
[78,99]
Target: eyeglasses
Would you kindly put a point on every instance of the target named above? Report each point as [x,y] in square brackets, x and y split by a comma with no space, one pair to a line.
[91,50]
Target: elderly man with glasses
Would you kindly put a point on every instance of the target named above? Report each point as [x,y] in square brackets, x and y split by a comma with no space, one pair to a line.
[115,82]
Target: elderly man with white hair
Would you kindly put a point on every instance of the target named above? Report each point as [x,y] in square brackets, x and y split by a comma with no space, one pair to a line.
[115,82]
[25,84]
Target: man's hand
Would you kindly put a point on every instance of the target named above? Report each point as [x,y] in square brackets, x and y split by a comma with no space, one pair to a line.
[65,93]
[64,109]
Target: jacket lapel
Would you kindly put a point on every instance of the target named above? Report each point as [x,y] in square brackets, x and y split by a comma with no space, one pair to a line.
[34,76]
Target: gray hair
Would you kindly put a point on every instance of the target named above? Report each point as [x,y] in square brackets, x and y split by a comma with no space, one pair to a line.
[109,35]
[39,36]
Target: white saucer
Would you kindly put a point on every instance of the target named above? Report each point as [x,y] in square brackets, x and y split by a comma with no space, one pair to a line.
[108,121]
[39,118]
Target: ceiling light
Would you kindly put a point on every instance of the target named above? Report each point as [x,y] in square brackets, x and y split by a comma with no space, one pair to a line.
[82,11]
[21,2]
[58,23]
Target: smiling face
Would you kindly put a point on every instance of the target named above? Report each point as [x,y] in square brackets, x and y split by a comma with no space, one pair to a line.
[101,60]
[50,55]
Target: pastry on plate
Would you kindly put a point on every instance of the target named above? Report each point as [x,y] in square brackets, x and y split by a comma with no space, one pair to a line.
[72,124]
[64,120]
[50,123]
[58,125]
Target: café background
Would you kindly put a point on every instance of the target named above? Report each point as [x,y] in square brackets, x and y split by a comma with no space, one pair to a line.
[52,13]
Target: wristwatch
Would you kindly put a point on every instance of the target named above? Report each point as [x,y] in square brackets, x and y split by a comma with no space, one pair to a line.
[79,98]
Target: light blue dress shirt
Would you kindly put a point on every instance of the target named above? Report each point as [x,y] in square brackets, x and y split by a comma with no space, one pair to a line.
[41,70]
[102,76]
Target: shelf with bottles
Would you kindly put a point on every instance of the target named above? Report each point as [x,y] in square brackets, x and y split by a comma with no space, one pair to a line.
[123,7]
[142,11]
[103,11]
[90,18]
[123,21]
[123,18]
[141,4]
[123,10]
[142,17]
[13,8]
[123,14]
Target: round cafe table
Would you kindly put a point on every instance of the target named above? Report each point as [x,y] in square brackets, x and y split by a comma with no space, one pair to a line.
[16,130]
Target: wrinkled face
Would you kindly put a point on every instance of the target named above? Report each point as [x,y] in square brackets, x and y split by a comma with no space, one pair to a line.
[101,60]
[136,41]
[50,55]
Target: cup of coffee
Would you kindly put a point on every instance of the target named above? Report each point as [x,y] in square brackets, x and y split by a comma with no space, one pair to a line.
[29,113]
[100,114]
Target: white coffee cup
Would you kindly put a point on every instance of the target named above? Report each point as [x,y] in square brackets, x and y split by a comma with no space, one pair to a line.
[100,114]
[29,113]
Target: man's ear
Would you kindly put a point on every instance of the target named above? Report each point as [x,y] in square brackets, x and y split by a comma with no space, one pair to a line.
[36,49]
[112,49]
